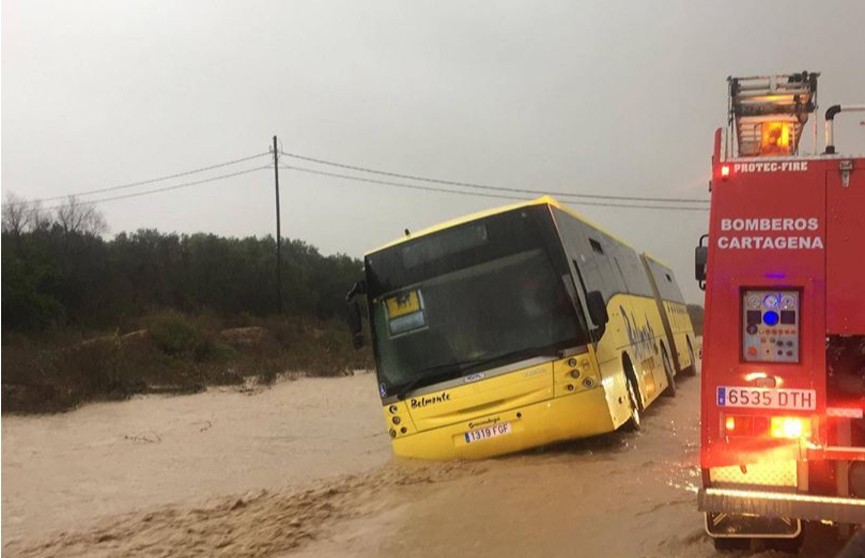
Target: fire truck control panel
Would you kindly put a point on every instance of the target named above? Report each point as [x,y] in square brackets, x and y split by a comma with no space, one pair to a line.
[771,326]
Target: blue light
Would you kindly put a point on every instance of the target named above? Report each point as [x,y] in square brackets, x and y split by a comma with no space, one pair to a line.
[776,275]
[770,318]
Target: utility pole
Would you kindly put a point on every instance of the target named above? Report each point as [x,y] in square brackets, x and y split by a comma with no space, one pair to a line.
[278,232]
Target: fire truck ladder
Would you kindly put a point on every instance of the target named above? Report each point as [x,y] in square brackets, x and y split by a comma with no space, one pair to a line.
[769,112]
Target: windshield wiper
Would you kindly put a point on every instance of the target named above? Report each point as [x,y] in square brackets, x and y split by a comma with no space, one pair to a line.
[530,352]
[456,369]
[428,379]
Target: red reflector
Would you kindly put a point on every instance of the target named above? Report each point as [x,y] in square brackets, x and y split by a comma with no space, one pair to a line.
[746,425]
[738,425]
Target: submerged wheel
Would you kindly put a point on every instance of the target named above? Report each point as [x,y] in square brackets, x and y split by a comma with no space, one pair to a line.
[634,423]
[691,370]
[668,370]
[730,544]
[787,546]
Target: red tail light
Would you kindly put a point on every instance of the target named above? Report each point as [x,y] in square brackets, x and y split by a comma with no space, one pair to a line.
[745,425]
[770,427]
[790,427]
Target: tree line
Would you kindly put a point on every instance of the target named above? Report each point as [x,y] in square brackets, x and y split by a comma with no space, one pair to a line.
[59,270]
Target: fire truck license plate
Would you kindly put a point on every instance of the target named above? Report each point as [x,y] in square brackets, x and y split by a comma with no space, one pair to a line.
[766,398]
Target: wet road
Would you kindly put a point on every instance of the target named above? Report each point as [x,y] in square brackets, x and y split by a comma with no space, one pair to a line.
[304,469]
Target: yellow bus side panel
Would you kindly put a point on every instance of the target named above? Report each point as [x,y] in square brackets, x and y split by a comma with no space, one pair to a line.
[635,328]
[683,330]
[682,349]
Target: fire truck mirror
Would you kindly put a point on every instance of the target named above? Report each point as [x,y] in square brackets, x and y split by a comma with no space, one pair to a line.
[597,308]
[701,256]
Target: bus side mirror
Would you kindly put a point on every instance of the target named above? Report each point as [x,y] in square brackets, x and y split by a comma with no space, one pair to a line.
[597,308]
[355,325]
[359,288]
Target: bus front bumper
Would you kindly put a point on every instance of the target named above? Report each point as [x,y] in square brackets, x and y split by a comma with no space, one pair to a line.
[579,415]
[782,505]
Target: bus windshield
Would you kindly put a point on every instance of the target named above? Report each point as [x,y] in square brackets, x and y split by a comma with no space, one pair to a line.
[480,295]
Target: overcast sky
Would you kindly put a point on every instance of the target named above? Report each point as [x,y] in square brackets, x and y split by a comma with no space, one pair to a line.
[584,97]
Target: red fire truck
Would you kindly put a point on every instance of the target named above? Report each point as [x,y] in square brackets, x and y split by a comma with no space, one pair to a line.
[783,375]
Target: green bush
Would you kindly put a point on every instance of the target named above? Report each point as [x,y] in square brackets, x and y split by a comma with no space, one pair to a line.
[176,335]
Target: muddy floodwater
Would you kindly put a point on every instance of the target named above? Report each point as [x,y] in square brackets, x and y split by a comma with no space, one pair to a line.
[64,471]
[304,469]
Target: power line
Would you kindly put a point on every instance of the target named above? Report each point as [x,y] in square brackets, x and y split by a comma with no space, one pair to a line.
[488,187]
[401,184]
[142,182]
[168,188]
[480,194]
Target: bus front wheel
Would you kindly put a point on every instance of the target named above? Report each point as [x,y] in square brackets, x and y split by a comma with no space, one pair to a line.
[634,423]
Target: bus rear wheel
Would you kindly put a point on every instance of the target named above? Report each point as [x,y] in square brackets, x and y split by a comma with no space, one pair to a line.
[691,370]
[668,371]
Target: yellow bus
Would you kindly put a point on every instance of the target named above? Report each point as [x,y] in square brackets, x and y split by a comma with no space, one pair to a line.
[515,328]
[674,315]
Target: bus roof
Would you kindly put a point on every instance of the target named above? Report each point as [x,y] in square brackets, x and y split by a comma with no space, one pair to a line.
[543,200]
[656,260]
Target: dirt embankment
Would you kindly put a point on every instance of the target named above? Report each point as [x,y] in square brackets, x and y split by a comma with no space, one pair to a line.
[172,353]
[310,469]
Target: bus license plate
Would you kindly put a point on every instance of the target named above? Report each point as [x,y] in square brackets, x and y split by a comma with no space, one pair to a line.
[487,432]
[767,398]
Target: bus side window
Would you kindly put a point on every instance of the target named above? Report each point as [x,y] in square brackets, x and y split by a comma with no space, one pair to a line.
[588,256]
[634,273]
[609,279]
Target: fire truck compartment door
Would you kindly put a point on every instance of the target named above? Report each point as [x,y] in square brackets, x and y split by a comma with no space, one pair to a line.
[845,237]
